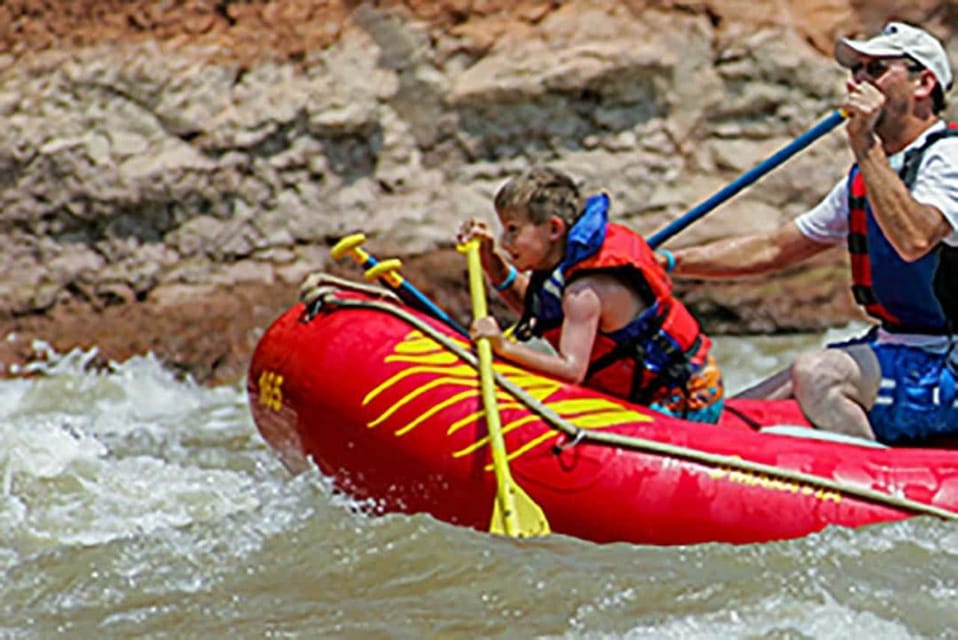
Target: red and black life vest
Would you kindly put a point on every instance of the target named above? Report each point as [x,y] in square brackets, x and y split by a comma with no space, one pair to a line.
[907,297]
[664,345]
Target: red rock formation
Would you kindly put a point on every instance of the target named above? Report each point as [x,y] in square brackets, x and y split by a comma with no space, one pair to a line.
[249,30]
[211,338]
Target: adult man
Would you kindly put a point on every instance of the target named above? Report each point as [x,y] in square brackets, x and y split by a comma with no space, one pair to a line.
[897,212]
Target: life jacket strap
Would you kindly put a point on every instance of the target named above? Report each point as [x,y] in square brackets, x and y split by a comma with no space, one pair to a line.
[646,379]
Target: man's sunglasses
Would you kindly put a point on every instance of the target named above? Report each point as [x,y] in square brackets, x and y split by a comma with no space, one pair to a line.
[875,69]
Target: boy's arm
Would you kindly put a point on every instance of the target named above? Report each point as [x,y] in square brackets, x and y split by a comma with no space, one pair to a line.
[582,308]
[498,270]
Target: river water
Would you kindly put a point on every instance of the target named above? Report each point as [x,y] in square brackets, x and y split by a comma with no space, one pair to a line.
[136,505]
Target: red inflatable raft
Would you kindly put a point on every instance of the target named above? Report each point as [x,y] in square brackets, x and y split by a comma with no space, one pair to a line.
[386,401]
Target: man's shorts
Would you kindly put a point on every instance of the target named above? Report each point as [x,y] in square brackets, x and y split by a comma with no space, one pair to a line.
[916,398]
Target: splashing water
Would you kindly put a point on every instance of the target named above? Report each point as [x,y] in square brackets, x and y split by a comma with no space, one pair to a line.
[137,504]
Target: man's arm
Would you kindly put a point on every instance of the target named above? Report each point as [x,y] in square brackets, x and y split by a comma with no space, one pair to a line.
[912,228]
[747,255]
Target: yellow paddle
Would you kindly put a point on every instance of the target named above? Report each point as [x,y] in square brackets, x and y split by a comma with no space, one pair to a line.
[514,513]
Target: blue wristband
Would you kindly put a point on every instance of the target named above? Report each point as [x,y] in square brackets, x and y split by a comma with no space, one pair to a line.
[509,279]
[669,260]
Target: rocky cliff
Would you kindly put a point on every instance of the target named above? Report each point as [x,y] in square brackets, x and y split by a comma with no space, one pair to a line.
[170,171]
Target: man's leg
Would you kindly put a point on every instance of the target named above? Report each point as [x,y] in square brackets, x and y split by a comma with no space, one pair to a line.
[837,387]
[778,386]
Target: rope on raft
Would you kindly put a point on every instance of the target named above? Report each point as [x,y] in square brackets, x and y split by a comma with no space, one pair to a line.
[632,442]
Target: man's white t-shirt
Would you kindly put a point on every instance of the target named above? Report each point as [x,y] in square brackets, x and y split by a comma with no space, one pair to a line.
[936,185]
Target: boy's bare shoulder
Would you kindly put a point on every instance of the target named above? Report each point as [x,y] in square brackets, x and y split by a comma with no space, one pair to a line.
[606,285]
[616,301]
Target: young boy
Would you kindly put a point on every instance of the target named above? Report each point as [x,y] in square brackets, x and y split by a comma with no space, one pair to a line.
[596,292]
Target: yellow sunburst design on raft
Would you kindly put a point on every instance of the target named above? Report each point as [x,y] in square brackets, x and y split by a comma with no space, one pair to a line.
[423,355]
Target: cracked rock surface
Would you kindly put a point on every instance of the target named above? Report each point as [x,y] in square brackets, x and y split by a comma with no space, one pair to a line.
[170,171]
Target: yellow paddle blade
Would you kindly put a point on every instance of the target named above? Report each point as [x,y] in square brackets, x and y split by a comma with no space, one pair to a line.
[513,513]
[530,520]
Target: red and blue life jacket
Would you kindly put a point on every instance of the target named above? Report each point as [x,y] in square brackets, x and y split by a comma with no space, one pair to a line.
[663,346]
[907,297]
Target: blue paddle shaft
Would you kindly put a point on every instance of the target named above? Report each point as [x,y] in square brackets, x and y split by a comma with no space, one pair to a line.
[432,308]
[765,166]
[417,298]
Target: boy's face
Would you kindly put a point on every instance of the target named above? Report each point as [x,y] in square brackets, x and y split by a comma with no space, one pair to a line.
[531,247]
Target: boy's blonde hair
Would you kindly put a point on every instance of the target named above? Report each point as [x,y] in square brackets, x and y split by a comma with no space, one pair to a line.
[540,193]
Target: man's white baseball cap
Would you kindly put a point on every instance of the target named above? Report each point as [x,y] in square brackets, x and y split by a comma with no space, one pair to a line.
[899,39]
